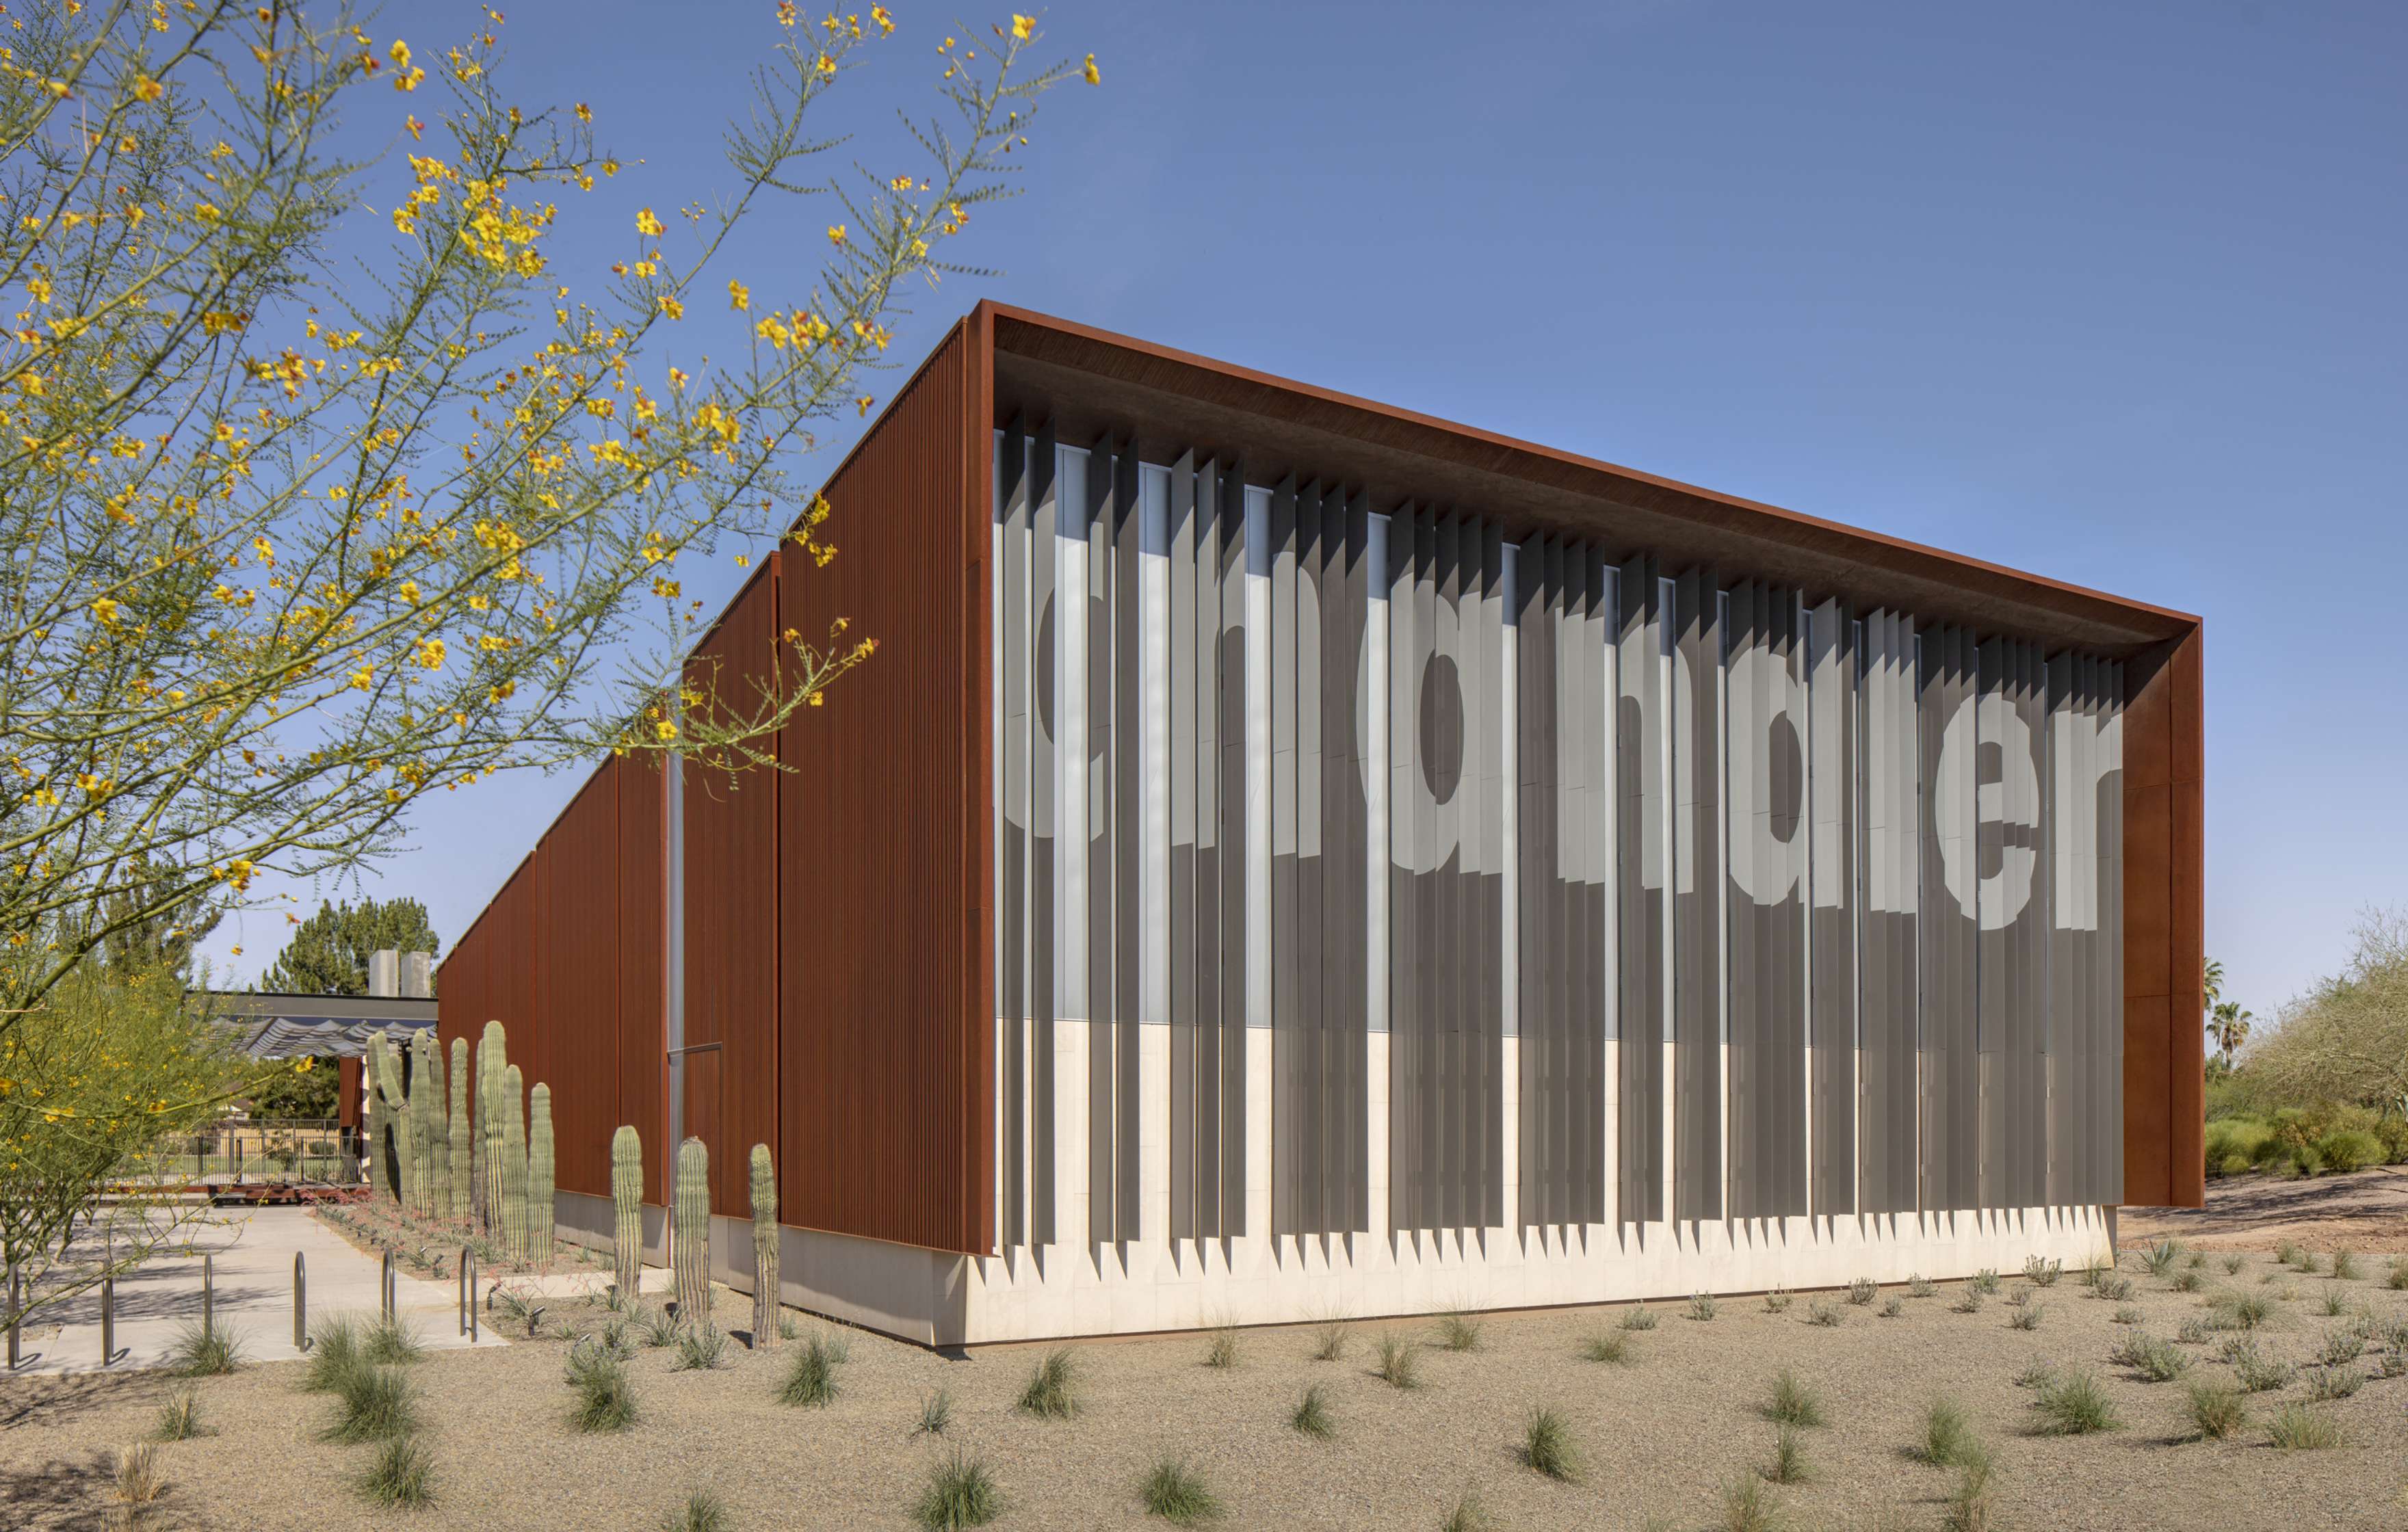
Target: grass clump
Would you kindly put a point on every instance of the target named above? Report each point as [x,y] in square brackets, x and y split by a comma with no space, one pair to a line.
[2126,1315]
[1862,1291]
[2340,1346]
[702,1511]
[1221,1351]
[179,1417]
[1458,1331]
[1052,1392]
[2257,1372]
[1467,1515]
[333,1351]
[2303,1429]
[1547,1446]
[2073,1405]
[204,1350]
[810,1377]
[2188,1281]
[1641,1318]
[2215,1409]
[2232,1265]
[1311,1413]
[961,1493]
[401,1475]
[1746,1507]
[2154,1360]
[393,1341]
[1792,1403]
[1824,1312]
[657,1326]
[1175,1492]
[1399,1366]
[2242,1311]
[606,1395]
[936,1413]
[1788,1465]
[2396,1278]
[699,1348]
[1973,1505]
[139,1482]
[1612,1346]
[1947,1435]
[1701,1306]
[374,1404]
[1328,1340]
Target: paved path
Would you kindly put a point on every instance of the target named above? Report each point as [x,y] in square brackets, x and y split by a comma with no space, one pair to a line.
[253,1250]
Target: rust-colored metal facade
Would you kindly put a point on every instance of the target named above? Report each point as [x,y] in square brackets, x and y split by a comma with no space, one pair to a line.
[839,981]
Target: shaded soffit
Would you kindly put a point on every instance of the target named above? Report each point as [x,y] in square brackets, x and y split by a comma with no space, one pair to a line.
[1088,382]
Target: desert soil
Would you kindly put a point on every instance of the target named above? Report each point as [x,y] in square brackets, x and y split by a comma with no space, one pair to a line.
[2364,1210]
[1662,1436]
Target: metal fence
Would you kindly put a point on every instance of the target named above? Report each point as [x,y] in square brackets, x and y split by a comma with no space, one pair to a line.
[266,1152]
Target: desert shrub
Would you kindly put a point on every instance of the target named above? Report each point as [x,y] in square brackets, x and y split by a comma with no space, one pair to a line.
[1823,1311]
[333,1351]
[1221,1350]
[518,1309]
[2154,1360]
[1605,1346]
[373,1404]
[1311,1413]
[1641,1318]
[1173,1490]
[137,1482]
[2159,1258]
[1051,1391]
[2257,1372]
[2345,1267]
[179,1416]
[2188,1281]
[2340,1346]
[1968,1300]
[810,1377]
[2334,1382]
[2126,1315]
[1920,1286]
[2192,1332]
[2291,1252]
[1777,1301]
[1547,1446]
[1458,1331]
[2232,1265]
[1947,1435]
[1862,1291]
[2035,1374]
[2345,1149]
[401,1474]
[1792,1402]
[2242,1311]
[657,1326]
[2074,1404]
[2041,1273]
[2114,1287]
[2233,1144]
[2092,1270]
[1746,1507]
[1400,1365]
[1892,1307]
[2302,1428]
[2026,1316]
[1701,1306]
[203,1351]
[2334,1303]
[2215,1409]
[699,1348]
[1985,1281]
[961,1493]
[1328,1340]
[936,1413]
[393,1341]
[700,1511]
[1788,1465]
[606,1395]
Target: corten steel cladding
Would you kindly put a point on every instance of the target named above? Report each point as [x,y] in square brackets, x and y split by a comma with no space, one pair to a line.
[732,938]
[884,1028]
[575,952]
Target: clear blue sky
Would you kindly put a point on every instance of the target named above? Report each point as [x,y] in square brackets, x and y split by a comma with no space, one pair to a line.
[2111,294]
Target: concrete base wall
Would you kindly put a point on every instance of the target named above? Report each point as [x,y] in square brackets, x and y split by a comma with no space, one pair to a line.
[589,1221]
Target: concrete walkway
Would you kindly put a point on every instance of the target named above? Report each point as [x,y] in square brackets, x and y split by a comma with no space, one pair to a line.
[253,1250]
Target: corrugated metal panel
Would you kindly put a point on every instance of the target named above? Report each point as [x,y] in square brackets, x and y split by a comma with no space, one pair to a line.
[882,840]
[643,897]
[732,934]
[577,867]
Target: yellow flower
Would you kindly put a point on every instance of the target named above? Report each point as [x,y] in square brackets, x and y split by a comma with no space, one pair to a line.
[105,609]
[836,233]
[1024,27]
[238,951]
[740,297]
[786,12]
[647,225]
[1094,75]
[399,53]
[364,678]
[884,18]
[584,112]
[671,307]
[430,653]
[665,729]
[31,383]
[147,89]
[863,403]
[304,1067]
[677,378]
[415,127]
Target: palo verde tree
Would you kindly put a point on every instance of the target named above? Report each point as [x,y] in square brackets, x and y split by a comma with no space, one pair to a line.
[330,483]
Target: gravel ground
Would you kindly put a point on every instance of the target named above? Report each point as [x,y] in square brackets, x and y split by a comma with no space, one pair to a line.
[2365,1210]
[1662,1436]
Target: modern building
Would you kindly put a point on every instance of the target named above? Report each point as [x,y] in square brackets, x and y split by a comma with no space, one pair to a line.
[1290,856]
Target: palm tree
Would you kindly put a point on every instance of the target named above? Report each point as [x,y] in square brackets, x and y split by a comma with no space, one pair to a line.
[2212,983]
[2230,1028]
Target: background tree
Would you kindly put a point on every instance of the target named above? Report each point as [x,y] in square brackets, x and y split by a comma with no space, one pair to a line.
[2229,1028]
[328,952]
[330,482]
[2345,1042]
[148,932]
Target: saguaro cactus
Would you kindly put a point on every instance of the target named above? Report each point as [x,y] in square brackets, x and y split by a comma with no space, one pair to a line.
[765,1248]
[514,1163]
[627,1206]
[393,1118]
[492,1059]
[372,1122]
[437,1133]
[690,1233]
[538,1194]
[463,1157]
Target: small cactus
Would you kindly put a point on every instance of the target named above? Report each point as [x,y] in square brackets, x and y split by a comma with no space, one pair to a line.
[539,1173]
[765,1249]
[514,1163]
[627,1204]
[690,1233]
[463,1158]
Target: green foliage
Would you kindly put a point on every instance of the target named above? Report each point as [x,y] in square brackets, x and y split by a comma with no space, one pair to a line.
[1985,1281]
[1863,1290]
[335,1351]
[2234,1143]
[1747,1507]
[401,1474]
[1788,1465]
[179,1416]
[1311,1413]
[1173,1490]
[2255,1372]
[1399,1361]
[1777,1301]
[699,1348]
[700,1511]
[373,1403]
[1919,1286]
[2216,1409]
[656,1325]
[328,954]
[1973,1504]
[1220,1348]
[1547,1446]
[961,1493]
[204,1350]
[1051,1391]
[151,921]
[606,1394]
[1947,1435]
[1613,1346]
[811,1382]
[1825,1313]
[2304,1428]
[2074,1404]
[2159,1258]
[2026,1316]
[1892,1307]
[2041,1273]
[2153,1360]
[1792,1402]
[2345,1149]
[1458,1331]
[393,1340]
[1328,1340]
[1468,1515]
[936,1413]
[1639,1318]
[1701,1306]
